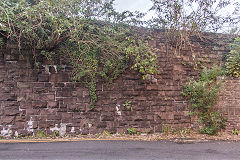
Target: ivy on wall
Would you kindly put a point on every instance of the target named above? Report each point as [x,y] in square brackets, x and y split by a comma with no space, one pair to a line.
[1,42]
[233,59]
[96,39]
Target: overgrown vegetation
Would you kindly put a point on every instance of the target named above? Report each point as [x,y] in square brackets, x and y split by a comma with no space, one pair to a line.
[233,59]
[96,39]
[184,19]
[202,95]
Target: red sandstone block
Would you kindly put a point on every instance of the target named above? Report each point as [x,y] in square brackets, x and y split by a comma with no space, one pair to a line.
[18,125]
[21,118]
[115,95]
[140,98]
[140,108]
[70,85]
[144,124]
[6,120]
[38,84]
[139,118]
[231,111]
[49,97]
[78,107]
[32,112]
[237,111]
[152,87]
[25,104]
[39,104]
[8,97]
[42,117]
[101,125]
[47,84]
[53,117]
[107,118]
[131,93]
[150,117]
[43,78]
[48,111]
[40,90]
[64,93]
[167,116]
[69,100]
[25,90]
[59,77]
[76,120]
[66,117]
[43,125]
[11,112]
[59,85]
[52,104]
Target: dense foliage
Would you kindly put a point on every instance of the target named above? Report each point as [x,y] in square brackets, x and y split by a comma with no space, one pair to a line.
[233,59]
[95,38]
[202,95]
[183,19]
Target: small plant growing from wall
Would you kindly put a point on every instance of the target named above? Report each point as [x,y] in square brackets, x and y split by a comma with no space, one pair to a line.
[131,131]
[202,95]
[106,133]
[128,105]
[235,132]
[1,42]
[20,136]
[41,134]
[56,133]
[166,129]
[233,59]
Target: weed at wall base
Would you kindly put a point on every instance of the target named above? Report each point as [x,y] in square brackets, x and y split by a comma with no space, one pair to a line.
[41,134]
[131,131]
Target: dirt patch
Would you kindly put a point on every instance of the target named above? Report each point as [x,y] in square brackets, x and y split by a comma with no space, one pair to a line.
[176,138]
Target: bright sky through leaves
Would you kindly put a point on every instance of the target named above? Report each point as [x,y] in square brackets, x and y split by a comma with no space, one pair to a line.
[145,5]
[134,5]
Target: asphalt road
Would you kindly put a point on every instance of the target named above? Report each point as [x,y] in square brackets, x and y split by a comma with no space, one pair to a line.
[121,150]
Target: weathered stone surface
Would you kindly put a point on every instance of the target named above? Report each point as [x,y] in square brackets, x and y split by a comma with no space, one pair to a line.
[39,104]
[34,99]
[11,112]
[6,120]
[43,78]
[229,103]
[22,85]
[59,77]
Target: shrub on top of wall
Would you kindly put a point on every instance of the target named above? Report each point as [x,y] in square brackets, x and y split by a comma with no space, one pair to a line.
[97,40]
[233,59]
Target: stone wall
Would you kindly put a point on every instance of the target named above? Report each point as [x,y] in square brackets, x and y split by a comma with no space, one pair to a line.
[229,103]
[44,99]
